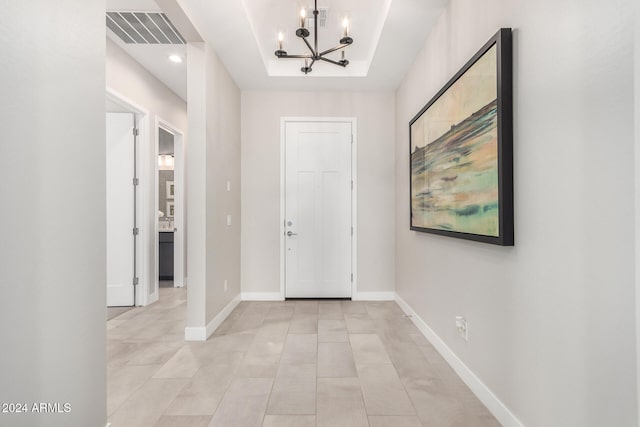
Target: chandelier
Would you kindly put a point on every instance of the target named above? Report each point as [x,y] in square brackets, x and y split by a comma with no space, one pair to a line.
[315,54]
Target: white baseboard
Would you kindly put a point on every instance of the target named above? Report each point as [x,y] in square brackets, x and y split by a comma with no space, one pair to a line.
[195,333]
[150,299]
[277,296]
[486,396]
[262,296]
[201,333]
[374,296]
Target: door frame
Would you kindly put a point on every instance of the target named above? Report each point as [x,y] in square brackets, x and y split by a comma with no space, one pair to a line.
[142,123]
[179,279]
[354,194]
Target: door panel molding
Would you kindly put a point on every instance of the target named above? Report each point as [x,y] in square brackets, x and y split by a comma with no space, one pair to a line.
[354,195]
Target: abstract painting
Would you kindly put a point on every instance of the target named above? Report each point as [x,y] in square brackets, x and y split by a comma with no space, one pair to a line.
[461,151]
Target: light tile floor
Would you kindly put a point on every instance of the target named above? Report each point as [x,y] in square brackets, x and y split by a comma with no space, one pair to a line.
[292,363]
[113,312]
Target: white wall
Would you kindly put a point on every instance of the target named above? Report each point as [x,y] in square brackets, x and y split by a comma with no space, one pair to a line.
[551,320]
[128,78]
[261,113]
[637,194]
[214,159]
[52,187]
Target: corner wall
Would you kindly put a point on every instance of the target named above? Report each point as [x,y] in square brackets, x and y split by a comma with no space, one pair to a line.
[223,166]
[261,113]
[637,195]
[52,187]
[551,320]
[213,160]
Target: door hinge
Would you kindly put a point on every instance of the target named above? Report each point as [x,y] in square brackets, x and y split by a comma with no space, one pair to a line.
[352,138]
[136,181]
[136,132]
[352,184]
[136,231]
[351,277]
[136,281]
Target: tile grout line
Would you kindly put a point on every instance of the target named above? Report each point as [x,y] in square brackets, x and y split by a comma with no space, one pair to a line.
[135,390]
[395,338]
[264,415]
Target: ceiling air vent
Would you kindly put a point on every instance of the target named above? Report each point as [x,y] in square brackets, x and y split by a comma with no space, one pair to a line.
[143,28]
[322,18]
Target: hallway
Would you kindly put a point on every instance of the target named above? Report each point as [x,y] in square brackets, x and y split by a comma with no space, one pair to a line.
[292,363]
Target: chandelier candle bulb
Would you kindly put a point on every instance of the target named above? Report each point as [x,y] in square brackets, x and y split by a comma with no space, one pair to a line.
[280,39]
[303,15]
[345,24]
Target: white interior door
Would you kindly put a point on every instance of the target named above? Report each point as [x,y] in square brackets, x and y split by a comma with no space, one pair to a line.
[318,210]
[120,209]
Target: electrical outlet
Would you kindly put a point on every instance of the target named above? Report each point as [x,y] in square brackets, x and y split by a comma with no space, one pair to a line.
[226,285]
[463,327]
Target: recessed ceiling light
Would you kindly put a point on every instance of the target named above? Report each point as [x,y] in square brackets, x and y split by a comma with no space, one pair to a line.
[175,58]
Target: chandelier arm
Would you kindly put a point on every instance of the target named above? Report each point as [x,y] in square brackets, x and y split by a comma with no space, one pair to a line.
[297,56]
[322,58]
[304,39]
[333,49]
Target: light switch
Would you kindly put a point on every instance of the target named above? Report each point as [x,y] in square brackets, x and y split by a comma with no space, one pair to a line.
[228,219]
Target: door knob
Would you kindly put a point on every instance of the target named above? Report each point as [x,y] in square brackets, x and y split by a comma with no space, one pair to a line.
[290,233]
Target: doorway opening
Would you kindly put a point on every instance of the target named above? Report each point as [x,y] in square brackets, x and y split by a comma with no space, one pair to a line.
[170,222]
[166,207]
[318,208]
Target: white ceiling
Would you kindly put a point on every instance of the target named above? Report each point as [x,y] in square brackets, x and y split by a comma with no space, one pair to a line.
[387,36]
[283,17]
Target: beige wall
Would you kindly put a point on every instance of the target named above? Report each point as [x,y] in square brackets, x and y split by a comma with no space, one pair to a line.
[52,186]
[261,113]
[551,320]
[637,193]
[213,160]
[223,164]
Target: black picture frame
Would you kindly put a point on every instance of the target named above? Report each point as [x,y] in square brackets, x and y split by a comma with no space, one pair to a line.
[458,186]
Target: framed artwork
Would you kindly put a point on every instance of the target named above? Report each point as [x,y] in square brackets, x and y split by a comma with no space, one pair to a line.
[170,190]
[170,209]
[461,151]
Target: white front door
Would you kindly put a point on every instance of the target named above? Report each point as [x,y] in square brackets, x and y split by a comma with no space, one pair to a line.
[318,209]
[120,209]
